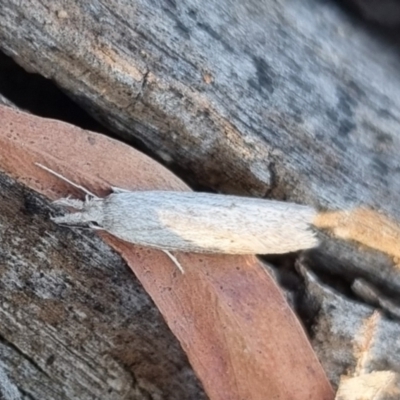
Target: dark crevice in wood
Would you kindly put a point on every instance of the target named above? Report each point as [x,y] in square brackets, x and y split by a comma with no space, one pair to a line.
[386,22]
[40,96]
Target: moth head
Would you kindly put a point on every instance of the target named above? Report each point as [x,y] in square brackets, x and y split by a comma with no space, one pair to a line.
[90,212]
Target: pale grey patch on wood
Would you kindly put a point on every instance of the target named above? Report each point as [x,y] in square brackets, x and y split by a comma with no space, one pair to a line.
[8,391]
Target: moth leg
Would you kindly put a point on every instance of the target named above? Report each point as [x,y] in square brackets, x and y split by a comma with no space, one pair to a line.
[68,202]
[77,218]
[174,260]
[95,227]
[119,190]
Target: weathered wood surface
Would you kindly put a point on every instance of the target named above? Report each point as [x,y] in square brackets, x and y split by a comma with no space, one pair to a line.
[231,319]
[356,343]
[75,323]
[285,99]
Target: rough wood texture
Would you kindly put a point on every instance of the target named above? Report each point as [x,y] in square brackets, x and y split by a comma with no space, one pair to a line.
[356,344]
[285,99]
[231,319]
[75,322]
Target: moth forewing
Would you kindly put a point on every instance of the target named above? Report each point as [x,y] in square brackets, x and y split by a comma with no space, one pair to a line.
[207,223]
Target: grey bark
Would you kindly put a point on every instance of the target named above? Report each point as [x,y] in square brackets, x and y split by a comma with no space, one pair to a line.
[75,322]
[353,340]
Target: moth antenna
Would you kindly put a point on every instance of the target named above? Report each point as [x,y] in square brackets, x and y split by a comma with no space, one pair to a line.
[63,178]
[174,260]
